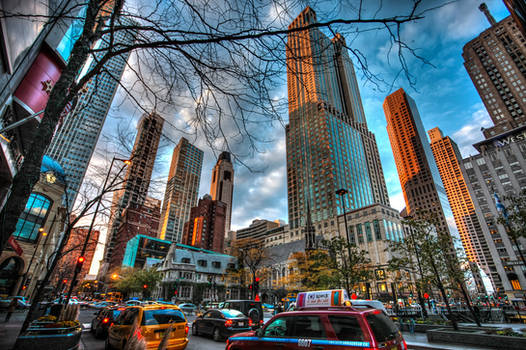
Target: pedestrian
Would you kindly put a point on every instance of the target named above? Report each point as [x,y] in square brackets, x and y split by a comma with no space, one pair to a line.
[10,309]
[412,325]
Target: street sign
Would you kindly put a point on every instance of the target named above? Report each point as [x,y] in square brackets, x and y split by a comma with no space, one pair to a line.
[14,244]
[514,263]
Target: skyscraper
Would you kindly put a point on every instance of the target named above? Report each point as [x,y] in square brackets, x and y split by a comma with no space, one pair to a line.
[448,159]
[137,178]
[222,187]
[418,173]
[206,226]
[181,190]
[328,144]
[74,143]
[496,63]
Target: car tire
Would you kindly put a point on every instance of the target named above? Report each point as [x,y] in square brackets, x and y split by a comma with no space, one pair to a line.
[195,332]
[98,333]
[216,335]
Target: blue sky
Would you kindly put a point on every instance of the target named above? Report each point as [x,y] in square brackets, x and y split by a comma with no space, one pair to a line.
[444,94]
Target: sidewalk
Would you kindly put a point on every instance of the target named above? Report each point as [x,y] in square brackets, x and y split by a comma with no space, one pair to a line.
[418,341]
[9,331]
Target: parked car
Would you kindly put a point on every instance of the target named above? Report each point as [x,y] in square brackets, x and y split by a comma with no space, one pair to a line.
[103,319]
[187,308]
[133,302]
[221,324]
[22,302]
[252,309]
[154,320]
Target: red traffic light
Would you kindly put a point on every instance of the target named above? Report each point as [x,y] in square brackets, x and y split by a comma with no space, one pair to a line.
[257,279]
[250,287]
[64,281]
[175,292]
[81,259]
[426,295]
[145,286]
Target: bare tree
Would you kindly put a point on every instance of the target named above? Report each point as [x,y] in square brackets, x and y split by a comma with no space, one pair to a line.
[223,58]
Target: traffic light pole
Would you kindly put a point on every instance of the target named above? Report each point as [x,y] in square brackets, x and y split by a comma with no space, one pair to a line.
[80,263]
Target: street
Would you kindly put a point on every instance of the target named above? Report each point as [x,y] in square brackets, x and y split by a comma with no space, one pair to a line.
[89,342]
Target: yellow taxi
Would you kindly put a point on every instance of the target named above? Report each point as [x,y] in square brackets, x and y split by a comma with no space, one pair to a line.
[153,321]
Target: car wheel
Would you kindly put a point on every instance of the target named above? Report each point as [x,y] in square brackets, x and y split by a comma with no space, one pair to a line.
[98,333]
[194,329]
[217,335]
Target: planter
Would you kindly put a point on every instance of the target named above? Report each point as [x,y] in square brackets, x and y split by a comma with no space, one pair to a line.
[43,335]
[476,337]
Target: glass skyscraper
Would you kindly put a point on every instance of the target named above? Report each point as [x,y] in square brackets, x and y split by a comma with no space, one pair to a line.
[75,140]
[329,146]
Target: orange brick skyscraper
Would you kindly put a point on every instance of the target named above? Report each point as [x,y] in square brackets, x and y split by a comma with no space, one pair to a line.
[447,157]
[417,170]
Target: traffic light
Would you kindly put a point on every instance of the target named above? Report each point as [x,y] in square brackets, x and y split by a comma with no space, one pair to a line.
[250,287]
[80,262]
[65,281]
[175,292]
[145,286]
[256,285]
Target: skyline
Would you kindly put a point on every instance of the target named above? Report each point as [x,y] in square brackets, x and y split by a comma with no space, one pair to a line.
[262,194]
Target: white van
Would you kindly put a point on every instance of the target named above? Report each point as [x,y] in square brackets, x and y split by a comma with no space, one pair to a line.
[373,304]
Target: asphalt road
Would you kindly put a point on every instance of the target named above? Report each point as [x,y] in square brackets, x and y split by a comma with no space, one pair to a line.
[89,342]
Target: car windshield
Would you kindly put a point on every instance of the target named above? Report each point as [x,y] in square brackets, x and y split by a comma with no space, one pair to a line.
[383,328]
[162,316]
[232,313]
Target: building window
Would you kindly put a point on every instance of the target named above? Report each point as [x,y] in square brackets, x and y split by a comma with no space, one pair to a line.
[368,232]
[377,232]
[202,263]
[32,218]
[515,285]
[185,260]
[216,264]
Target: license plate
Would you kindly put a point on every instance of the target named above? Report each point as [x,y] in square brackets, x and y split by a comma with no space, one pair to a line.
[240,324]
[394,348]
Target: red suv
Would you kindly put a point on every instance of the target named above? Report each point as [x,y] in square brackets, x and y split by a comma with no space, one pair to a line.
[323,328]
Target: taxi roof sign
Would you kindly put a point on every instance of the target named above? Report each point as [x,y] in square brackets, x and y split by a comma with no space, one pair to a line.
[322,298]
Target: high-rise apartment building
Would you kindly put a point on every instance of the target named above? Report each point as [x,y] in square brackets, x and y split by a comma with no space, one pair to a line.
[258,229]
[496,63]
[181,190]
[499,168]
[137,179]
[222,187]
[418,173]
[517,9]
[206,227]
[74,143]
[448,160]
[328,144]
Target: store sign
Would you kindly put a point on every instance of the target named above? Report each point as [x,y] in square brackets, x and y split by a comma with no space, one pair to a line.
[322,298]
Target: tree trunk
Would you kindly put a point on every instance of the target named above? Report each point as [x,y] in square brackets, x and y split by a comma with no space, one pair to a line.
[468,303]
[440,286]
[29,173]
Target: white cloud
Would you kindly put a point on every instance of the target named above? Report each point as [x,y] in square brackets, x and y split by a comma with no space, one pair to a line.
[470,133]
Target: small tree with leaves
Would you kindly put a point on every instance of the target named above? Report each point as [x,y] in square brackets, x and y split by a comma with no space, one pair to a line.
[514,220]
[309,271]
[251,255]
[349,264]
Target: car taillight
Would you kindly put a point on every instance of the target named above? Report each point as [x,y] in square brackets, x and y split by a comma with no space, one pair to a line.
[105,320]
[260,321]
[228,323]
[186,330]
[112,324]
[250,323]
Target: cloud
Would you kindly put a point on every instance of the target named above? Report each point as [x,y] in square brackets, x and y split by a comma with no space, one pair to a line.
[470,133]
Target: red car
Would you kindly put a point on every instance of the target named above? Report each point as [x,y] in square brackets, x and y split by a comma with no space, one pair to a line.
[323,328]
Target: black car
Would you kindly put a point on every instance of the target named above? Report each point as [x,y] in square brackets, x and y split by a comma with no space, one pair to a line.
[252,309]
[221,324]
[103,319]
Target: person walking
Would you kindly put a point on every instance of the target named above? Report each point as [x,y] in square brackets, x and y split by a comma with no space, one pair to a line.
[10,309]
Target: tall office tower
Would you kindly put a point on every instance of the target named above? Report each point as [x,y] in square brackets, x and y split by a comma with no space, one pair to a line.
[328,144]
[496,63]
[416,167]
[137,178]
[206,227]
[499,168]
[74,143]
[181,190]
[448,159]
[222,187]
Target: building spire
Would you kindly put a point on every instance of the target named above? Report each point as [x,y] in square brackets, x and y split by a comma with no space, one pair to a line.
[484,8]
[310,232]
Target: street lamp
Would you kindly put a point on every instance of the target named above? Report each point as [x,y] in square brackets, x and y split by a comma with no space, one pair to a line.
[342,192]
[88,234]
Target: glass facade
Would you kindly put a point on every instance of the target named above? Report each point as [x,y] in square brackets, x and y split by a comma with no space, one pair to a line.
[33,218]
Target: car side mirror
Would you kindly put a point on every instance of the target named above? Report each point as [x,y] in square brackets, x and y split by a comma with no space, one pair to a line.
[259,332]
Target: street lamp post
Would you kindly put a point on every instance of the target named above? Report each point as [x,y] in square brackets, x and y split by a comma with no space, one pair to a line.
[80,260]
[342,192]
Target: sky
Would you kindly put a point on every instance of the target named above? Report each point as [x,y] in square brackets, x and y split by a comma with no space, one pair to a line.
[442,90]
